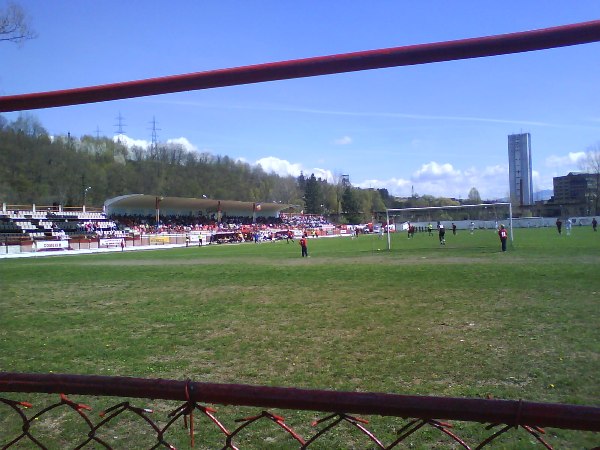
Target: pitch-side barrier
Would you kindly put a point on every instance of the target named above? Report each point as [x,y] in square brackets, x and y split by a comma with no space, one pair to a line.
[336,414]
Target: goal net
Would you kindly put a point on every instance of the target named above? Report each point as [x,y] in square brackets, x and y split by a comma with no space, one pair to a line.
[486,216]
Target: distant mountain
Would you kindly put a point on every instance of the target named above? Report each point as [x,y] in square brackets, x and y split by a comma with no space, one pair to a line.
[546,194]
[543,195]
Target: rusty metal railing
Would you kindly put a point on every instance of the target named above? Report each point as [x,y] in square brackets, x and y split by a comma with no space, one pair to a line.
[337,408]
[574,34]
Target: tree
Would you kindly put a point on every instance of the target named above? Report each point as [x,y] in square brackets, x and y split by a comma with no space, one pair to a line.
[313,198]
[474,198]
[301,182]
[286,191]
[377,203]
[29,124]
[351,206]
[14,25]
[591,165]
[385,196]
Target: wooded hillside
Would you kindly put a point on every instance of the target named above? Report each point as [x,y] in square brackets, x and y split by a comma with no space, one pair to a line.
[67,170]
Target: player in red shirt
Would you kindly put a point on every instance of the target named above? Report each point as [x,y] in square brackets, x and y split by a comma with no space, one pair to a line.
[303,246]
[503,236]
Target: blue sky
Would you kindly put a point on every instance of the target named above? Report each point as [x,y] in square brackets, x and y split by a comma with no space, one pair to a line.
[437,129]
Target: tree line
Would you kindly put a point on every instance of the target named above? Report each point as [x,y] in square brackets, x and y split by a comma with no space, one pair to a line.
[70,171]
[66,170]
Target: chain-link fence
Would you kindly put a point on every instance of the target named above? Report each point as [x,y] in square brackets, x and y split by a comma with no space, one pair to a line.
[121,424]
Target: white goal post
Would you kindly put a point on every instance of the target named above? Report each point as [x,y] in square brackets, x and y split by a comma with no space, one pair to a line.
[454,208]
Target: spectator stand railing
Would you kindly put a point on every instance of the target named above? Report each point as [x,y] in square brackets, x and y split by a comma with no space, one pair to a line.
[336,408]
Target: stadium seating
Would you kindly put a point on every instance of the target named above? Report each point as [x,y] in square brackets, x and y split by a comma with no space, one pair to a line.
[30,224]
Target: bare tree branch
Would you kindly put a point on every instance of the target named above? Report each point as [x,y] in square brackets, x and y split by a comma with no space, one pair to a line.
[14,25]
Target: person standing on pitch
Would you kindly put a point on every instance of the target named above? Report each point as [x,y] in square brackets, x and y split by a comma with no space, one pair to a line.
[503,236]
[442,234]
[594,224]
[559,225]
[303,246]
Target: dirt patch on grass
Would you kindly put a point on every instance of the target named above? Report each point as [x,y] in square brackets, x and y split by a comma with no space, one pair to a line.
[379,258]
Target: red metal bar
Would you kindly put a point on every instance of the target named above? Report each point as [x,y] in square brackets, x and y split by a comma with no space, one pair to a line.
[580,33]
[509,412]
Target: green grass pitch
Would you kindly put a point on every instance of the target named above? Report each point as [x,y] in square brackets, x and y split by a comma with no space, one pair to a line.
[460,320]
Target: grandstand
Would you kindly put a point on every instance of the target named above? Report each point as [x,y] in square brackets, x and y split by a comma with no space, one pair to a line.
[22,222]
[135,221]
[34,223]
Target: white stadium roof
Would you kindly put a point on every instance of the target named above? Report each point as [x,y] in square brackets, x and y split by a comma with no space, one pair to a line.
[145,204]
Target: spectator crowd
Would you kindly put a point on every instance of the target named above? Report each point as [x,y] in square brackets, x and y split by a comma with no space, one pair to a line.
[186,224]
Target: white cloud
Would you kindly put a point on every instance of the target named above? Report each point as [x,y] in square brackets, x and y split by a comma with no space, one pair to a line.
[393,185]
[324,174]
[283,168]
[497,170]
[444,180]
[130,142]
[345,140]
[571,160]
[184,142]
[434,171]
[539,181]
